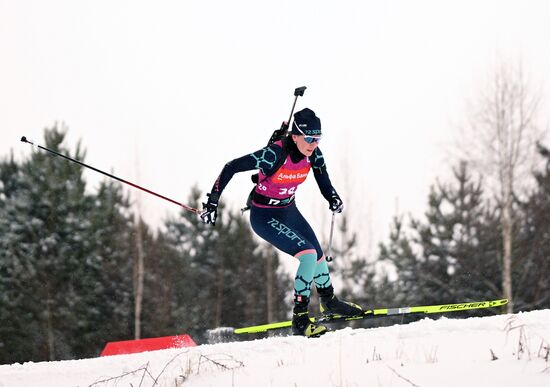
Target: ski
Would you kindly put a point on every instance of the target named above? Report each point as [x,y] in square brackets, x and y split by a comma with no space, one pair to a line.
[372,313]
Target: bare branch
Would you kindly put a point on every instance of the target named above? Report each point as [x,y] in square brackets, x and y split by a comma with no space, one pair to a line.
[402,377]
[501,143]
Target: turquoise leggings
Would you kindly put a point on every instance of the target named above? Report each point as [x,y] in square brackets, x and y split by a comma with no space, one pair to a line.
[286,229]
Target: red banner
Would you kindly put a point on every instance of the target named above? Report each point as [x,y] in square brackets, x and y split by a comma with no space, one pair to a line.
[144,345]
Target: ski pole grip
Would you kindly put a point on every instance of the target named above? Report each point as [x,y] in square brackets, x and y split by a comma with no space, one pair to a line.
[24,139]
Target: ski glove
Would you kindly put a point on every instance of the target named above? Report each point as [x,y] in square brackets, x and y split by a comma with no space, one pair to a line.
[210,210]
[336,204]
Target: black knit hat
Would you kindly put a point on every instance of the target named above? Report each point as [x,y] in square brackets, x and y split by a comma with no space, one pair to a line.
[306,121]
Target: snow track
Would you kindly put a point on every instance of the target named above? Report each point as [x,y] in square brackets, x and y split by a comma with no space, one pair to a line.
[506,350]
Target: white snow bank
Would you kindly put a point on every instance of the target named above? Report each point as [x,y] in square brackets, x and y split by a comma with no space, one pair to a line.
[506,350]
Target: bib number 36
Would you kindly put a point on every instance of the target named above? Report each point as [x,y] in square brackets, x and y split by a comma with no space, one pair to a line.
[287,191]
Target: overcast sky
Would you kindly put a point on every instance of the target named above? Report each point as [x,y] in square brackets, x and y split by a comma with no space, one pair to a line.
[164,93]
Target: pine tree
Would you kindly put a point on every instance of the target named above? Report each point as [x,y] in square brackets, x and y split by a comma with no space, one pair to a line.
[242,282]
[46,254]
[195,302]
[65,284]
[111,233]
[352,275]
[12,307]
[532,268]
[398,252]
[347,262]
[459,244]
[221,273]
[453,255]
[166,302]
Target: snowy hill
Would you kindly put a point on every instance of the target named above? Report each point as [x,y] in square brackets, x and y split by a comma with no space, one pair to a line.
[506,350]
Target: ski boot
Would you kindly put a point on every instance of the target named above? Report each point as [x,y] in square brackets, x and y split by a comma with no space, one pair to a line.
[301,324]
[331,306]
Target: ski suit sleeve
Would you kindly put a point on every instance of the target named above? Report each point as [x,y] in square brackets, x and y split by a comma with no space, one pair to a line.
[321,175]
[264,159]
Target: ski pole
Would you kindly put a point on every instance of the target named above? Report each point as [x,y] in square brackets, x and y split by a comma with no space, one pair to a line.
[298,92]
[329,256]
[195,210]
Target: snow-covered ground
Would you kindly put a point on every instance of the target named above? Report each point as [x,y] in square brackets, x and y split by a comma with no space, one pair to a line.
[505,350]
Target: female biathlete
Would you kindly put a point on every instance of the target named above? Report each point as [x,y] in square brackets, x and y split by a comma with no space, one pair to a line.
[274,216]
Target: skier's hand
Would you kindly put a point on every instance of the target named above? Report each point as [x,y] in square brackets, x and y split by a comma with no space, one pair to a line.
[210,210]
[336,204]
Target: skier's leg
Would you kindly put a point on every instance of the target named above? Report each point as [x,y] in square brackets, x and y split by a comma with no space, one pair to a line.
[330,304]
[321,275]
[304,274]
[301,325]
[279,227]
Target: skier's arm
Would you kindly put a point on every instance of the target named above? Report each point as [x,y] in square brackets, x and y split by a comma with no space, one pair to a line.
[263,159]
[323,181]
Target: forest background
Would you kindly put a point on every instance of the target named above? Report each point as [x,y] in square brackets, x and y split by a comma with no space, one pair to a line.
[164,95]
[80,266]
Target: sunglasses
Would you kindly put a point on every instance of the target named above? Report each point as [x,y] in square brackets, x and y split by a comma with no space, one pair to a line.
[308,139]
